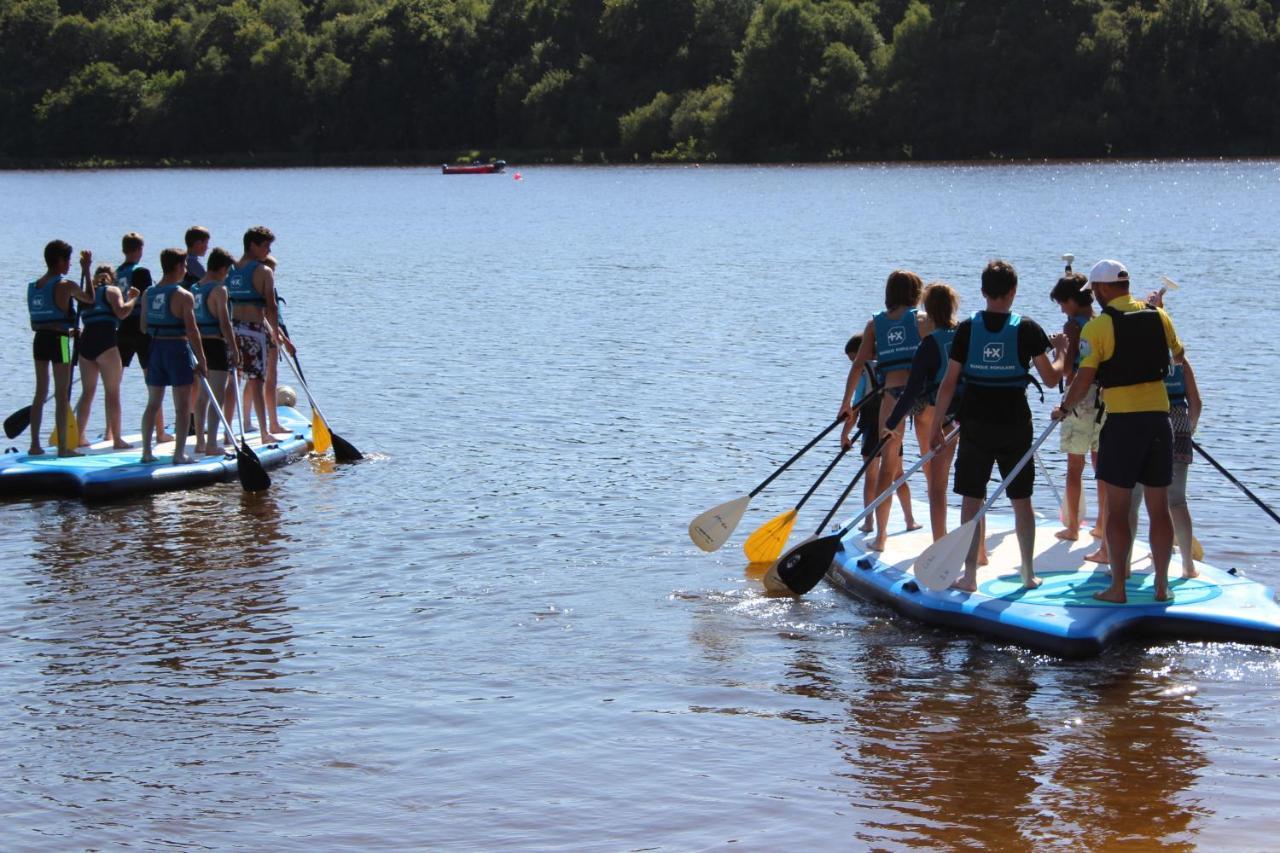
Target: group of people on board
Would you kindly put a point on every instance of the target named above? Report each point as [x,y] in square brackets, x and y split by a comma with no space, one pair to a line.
[190,330]
[1131,405]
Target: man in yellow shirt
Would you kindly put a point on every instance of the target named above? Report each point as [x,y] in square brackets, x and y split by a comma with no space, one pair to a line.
[1126,349]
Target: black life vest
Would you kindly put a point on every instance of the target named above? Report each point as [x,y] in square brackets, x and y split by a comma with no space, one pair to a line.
[1141,354]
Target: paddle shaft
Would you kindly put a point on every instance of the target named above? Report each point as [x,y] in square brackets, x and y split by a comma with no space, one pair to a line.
[831,467]
[802,451]
[1268,510]
[897,484]
[849,488]
[1044,469]
[1017,469]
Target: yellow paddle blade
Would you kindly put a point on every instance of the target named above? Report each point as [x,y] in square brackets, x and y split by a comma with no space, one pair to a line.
[320,437]
[1197,550]
[765,545]
[73,434]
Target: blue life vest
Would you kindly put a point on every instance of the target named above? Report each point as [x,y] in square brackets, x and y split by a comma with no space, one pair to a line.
[101,311]
[124,280]
[240,288]
[161,321]
[993,356]
[896,342]
[205,321]
[44,309]
[1176,384]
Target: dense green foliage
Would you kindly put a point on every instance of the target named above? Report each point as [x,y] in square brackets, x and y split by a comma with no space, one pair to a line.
[637,79]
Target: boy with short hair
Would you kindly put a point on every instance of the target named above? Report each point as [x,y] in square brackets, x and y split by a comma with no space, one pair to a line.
[213,319]
[53,316]
[130,338]
[170,320]
[251,287]
[993,351]
[197,240]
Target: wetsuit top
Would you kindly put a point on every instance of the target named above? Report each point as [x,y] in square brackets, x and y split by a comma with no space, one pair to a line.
[100,311]
[928,370]
[240,287]
[896,342]
[161,321]
[942,338]
[205,321]
[124,275]
[993,356]
[44,309]
[1176,385]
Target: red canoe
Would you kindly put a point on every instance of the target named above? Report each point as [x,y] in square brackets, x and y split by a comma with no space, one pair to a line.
[479,169]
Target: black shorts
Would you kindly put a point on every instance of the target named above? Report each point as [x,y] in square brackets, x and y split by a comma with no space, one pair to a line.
[1136,447]
[133,342]
[215,353]
[96,338]
[987,443]
[52,346]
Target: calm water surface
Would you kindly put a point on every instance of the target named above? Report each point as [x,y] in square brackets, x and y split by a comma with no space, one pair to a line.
[496,633]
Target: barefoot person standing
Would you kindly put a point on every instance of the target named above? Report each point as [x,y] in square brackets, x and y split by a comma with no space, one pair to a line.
[993,351]
[169,318]
[100,353]
[50,304]
[1127,349]
[251,287]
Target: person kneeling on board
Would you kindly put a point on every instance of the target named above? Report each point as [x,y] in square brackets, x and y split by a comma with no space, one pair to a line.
[993,351]
[1127,349]
[169,318]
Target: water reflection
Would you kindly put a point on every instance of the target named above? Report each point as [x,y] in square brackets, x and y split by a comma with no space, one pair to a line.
[966,744]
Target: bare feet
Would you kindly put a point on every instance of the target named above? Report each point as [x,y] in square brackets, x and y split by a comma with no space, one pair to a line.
[983,559]
[1096,533]
[84,442]
[1163,594]
[36,450]
[162,437]
[283,436]
[1190,571]
[965,585]
[867,527]
[198,450]
[275,427]
[1069,534]
[121,444]
[1111,595]
[182,459]
[1098,556]
[1031,583]
[911,525]
[147,458]
[877,544]
[67,454]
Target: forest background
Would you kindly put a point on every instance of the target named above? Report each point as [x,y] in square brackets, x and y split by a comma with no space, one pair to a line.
[380,81]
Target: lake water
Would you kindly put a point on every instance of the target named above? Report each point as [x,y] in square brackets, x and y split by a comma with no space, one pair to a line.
[495,633]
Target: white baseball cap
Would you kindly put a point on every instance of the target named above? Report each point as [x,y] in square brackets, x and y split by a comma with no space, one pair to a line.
[1107,272]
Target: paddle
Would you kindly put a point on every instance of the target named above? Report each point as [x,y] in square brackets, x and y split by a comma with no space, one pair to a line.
[710,530]
[73,429]
[17,423]
[766,543]
[942,563]
[321,435]
[1268,510]
[253,477]
[800,569]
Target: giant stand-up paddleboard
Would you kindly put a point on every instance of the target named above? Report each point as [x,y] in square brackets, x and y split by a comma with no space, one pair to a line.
[103,473]
[1061,616]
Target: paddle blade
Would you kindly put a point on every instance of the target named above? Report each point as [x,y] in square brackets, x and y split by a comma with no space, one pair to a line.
[320,438]
[767,542]
[1169,283]
[942,563]
[253,477]
[801,568]
[17,423]
[345,451]
[1197,550]
[73,434]
[712,529]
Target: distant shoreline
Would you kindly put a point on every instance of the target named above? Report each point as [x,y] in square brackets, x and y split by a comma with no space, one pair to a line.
[527,159]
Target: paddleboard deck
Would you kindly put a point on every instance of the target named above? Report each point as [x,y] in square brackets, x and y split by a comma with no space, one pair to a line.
[104,473]
[1060,617]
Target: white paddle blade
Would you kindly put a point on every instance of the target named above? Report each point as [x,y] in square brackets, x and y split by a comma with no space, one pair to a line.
[942,563]
[713,528]
[1169,283]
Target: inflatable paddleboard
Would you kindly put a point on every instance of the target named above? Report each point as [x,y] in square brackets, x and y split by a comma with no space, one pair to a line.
[1061,617]
[103,473]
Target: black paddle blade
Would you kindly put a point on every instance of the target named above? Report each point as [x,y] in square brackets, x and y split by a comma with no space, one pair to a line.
[343,450]
[804,566]
[17,423]
[253,477]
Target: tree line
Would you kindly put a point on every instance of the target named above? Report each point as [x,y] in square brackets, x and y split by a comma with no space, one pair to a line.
[212,80]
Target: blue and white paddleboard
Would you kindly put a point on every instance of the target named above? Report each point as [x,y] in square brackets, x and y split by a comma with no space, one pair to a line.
[1061,616]
[104,473]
